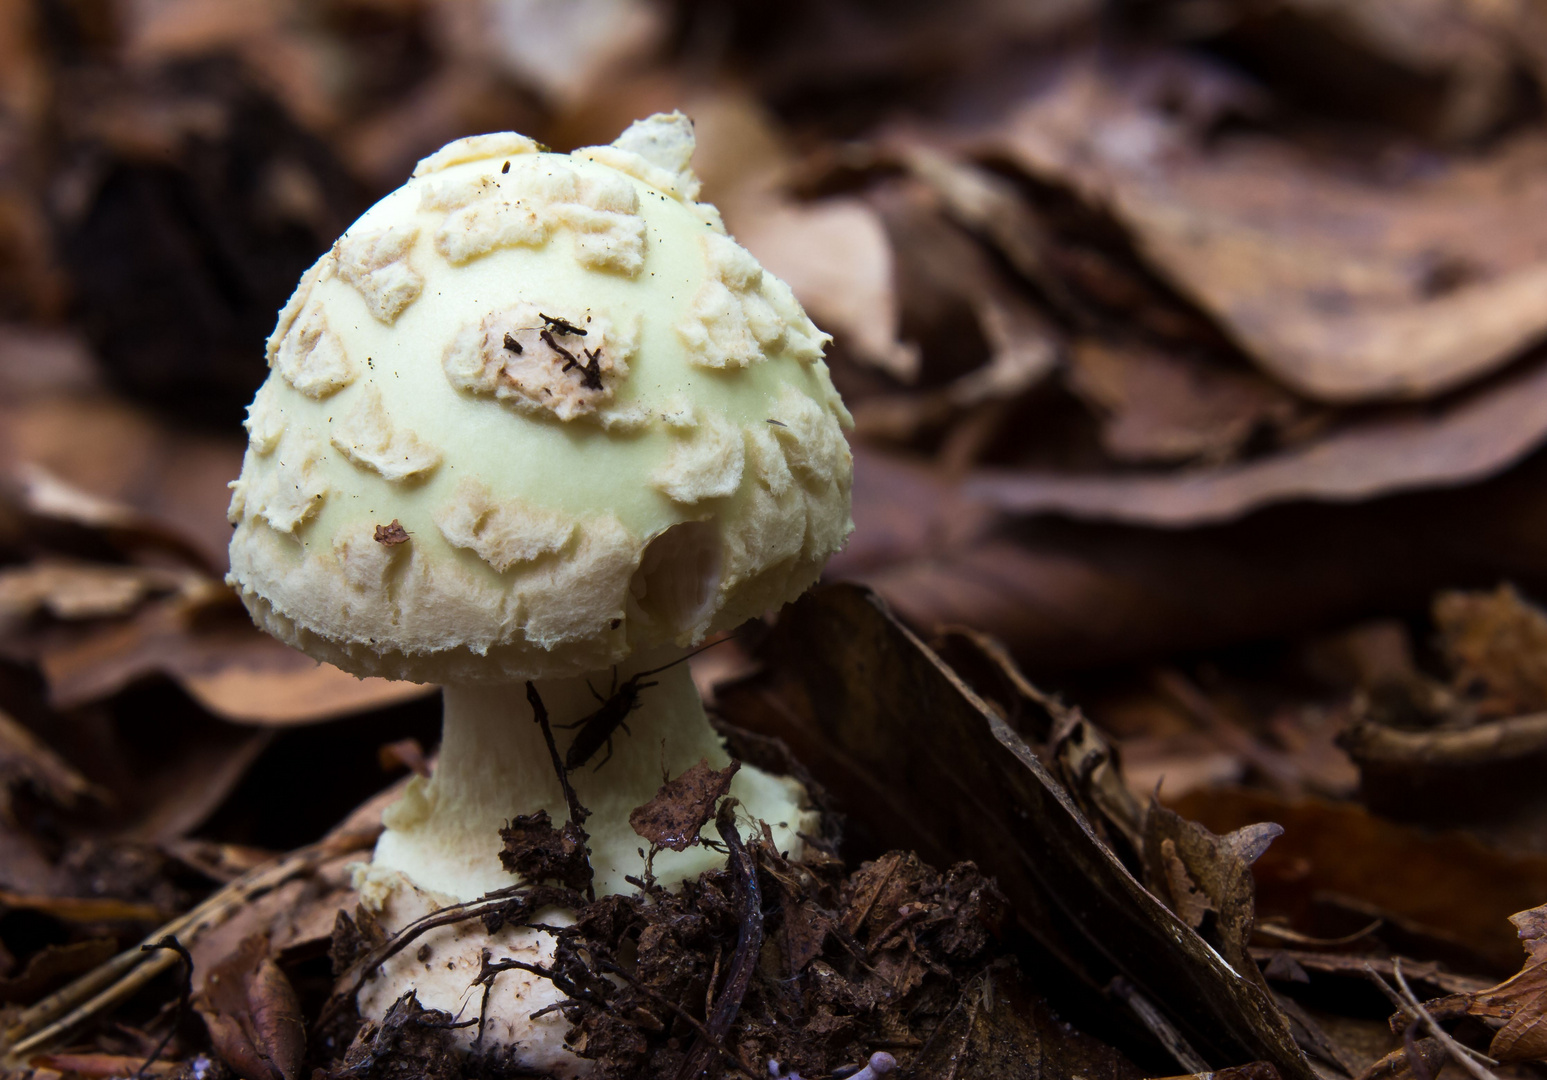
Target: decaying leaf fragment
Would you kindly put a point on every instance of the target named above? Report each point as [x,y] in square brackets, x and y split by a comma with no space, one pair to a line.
[1197,872]
[1160,407]
[253,1015]
[1521,1000]
[683,806]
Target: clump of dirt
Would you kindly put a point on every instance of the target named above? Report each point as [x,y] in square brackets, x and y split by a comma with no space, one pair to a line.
[844,964]
[410,1043]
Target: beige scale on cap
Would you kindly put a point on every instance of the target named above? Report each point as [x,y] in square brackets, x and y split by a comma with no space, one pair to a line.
[536,416]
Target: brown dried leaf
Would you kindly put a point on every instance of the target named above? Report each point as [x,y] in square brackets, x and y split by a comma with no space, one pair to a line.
[1159,407]
[83,591]
[253,1015]
[99,464]
[109,1066]
[1357,966]
[209,645]
[298,917]
[1197,872]
[1441,282]
[1399,1064]
[85,909]
[1443,70]
[1495,643]
[1470,439]
[683,806]
[1520,1002]
[1189,903]
[1374,744]
[1078,594]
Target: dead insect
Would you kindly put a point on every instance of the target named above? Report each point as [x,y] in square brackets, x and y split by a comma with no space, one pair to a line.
[512,344]
[597,729]
[505,168]
[563,326]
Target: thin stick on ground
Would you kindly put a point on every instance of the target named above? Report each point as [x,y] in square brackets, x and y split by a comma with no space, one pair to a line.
[1409,1005]
[123,975]
[184,994]
[749,944]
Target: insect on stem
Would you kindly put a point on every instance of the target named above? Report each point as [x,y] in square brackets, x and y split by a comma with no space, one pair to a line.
[598,728]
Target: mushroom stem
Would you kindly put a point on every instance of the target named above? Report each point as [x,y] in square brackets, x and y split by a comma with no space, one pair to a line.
[493,765]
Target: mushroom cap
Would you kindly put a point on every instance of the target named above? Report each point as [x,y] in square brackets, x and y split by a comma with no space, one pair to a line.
[533,412]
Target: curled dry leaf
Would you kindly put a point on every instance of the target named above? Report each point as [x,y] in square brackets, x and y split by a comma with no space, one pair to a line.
[1443,70]
[95,463]
[84,909]
[880,720]
[1443,280]
[1481,744]
[1481,434]
[683,806]
[209,646]
[109,1066]
[1445,887]
[253,1015]
[1196,872]
[1074,594]
[1359,965]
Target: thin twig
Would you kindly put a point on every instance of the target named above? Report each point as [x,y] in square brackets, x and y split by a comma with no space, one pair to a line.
[1465,1056]
[1407,1002]
[749,944]
[184,993]
[470,909]
[577,813]
[118,978]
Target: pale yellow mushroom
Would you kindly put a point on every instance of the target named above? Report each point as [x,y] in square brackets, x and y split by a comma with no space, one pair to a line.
[577,506]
